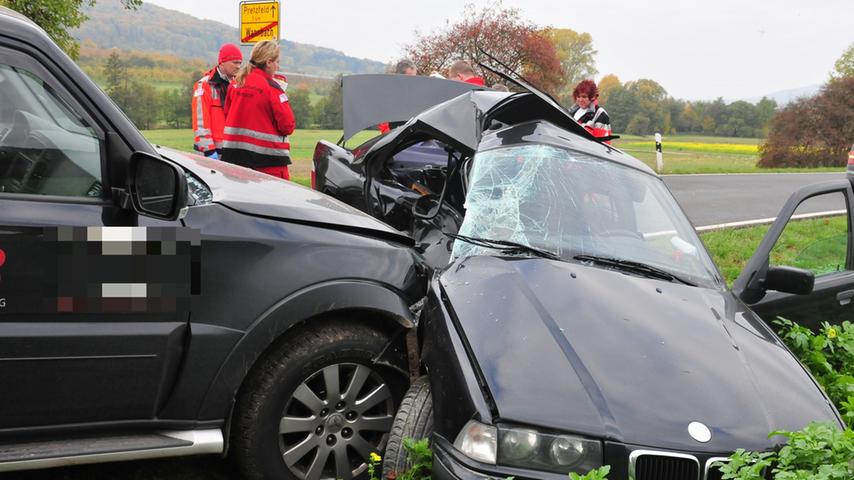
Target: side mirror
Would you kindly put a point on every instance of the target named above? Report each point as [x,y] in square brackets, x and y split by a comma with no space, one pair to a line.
[157,187]
[790,280]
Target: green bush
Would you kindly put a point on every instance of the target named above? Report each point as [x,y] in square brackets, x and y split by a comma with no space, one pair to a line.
[829,356]
[821,451]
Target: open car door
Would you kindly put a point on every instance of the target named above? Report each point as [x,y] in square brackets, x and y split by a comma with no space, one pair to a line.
[810,239]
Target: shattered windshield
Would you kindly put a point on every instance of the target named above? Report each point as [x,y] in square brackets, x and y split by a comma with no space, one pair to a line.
[578,208]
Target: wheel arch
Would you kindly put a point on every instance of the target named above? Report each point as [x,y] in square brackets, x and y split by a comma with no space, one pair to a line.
[362,301]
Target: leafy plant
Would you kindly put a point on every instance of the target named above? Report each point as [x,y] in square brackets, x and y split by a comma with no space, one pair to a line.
[600,473]
[829,355]
[421,457]
[821,451]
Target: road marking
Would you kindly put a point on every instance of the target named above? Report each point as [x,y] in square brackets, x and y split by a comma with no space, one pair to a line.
[763,221]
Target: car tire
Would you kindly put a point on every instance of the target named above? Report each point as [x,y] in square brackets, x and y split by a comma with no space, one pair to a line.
[414,420]
[289,424]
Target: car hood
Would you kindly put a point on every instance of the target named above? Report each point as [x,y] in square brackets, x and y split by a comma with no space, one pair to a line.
[601,353]
[255,193]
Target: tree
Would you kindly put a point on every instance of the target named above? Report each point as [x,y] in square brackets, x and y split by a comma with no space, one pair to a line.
[766,108]
[329,110]
[576,54]
[58,17]
[300,101]
[844,67]
[518,43]
[606,86]
[816,132]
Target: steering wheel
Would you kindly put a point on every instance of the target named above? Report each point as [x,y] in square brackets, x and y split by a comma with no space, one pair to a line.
[620,232]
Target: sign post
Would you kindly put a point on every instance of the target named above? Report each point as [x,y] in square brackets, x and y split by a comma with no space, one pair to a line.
[659,160]
[259,20]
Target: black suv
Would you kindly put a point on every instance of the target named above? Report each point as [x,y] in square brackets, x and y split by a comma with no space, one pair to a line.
[154,303]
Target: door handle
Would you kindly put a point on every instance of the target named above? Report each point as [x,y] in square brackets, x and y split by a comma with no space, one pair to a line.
[844,298]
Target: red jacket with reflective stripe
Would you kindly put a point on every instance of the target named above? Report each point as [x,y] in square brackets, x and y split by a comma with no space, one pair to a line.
[258,120]
[208,117]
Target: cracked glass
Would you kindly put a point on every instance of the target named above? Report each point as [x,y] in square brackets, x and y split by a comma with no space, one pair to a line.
[569,204]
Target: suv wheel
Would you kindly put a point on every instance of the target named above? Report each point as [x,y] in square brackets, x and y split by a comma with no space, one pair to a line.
[316,406]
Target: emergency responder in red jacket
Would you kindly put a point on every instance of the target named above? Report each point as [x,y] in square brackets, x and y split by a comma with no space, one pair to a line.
[587,111]
[209,94]
[258,117]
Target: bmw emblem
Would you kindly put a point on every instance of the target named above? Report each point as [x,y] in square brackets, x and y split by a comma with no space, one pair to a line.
[699,432]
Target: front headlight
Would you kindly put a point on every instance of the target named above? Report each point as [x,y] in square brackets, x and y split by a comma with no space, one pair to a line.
[528,448]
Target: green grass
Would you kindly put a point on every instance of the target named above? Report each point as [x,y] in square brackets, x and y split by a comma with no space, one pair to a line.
[815,244]
[683,154]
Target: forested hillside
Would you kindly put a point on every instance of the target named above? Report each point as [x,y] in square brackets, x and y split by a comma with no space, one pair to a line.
[168,32]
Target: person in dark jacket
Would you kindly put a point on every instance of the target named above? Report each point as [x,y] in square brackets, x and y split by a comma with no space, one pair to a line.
[258,117]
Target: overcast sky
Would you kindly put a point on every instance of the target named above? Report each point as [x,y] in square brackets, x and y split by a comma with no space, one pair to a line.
[696,49]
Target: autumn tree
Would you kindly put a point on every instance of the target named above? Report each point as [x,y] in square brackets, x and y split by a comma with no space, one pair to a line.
[576,54]
[607,85]
[816,132]
[502,32]
[58,17]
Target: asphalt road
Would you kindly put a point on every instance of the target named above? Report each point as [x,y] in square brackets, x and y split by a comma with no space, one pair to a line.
[725,198]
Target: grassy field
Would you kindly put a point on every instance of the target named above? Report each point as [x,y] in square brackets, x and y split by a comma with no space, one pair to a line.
[683,154]
[816,244]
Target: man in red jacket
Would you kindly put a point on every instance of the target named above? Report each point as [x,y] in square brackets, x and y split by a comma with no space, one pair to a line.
[209,94]
[463,72]
[258,117]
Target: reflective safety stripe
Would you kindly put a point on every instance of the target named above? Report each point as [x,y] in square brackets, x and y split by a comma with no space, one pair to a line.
[246,132]
[200,132]
[275,152]
[200,113]
[204,143]
[603,126]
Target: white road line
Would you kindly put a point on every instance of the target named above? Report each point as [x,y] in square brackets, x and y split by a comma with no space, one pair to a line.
[753,173]
[763,221]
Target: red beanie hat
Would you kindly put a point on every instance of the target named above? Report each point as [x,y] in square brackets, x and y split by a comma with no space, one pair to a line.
[229,52]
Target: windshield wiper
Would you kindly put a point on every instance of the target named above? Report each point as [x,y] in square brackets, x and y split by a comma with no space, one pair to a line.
[634,267]
[505,246]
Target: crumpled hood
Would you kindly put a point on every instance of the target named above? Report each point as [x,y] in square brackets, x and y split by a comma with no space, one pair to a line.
[255,193]
[598,352]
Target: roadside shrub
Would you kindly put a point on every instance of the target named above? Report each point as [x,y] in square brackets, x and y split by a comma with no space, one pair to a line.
[821,451]
[829,355]
[813,132]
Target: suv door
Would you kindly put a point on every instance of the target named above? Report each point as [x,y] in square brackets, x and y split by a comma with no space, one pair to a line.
[812,232]
[81,339]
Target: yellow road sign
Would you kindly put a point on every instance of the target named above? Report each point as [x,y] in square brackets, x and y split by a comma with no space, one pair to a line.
[259,21]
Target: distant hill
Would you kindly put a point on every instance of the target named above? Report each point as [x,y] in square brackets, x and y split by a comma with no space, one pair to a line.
[157,29]
[783,97]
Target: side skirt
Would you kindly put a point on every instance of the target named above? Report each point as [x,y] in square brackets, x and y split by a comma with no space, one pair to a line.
[82,450]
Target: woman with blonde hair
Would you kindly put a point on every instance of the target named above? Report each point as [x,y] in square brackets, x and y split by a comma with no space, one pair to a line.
[258,117]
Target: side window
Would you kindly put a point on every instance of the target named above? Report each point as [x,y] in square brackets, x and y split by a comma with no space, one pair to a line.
[46,147]
[816,237]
